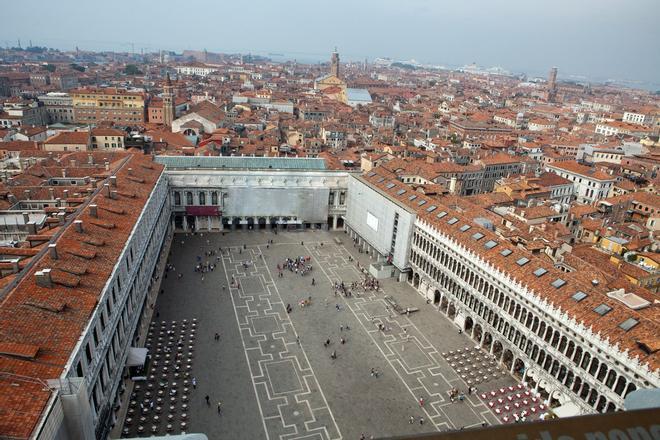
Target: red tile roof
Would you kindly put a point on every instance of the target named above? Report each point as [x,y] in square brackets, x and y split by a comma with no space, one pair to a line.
[52,319]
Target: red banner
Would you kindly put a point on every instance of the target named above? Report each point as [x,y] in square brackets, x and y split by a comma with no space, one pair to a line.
[203,210]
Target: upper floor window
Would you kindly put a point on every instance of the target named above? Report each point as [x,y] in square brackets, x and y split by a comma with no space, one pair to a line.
[177,198]
[202,198]
[189,198]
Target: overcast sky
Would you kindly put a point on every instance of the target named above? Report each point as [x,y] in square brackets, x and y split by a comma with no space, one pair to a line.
[617,39]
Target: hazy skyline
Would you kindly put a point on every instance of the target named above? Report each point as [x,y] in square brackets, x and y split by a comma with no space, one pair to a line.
[600,39]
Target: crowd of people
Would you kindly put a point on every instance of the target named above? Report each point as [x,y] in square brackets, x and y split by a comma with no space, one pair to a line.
[298,265]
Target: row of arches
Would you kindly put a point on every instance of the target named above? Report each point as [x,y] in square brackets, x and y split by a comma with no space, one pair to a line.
[492,303]
[199,198]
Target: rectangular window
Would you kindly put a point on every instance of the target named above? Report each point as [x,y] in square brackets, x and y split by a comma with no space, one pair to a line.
[628,324]
[540,272]
[558,283]
[603,309]
[522,261]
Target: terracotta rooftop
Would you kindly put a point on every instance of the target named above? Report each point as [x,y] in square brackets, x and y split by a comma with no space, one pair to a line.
[582,170]
[40,326]
[555,287]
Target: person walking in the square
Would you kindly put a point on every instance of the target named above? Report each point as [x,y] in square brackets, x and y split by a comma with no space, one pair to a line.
[194,383]
[219,407]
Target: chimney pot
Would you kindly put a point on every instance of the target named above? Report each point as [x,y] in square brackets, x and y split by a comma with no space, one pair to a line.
[66,193]
[52,249]
[93,211]
[62,217]
[107,166]
[106,188]
[27,194]
[78,224]
[14,265]
[26,217]
[130,171]
[32,228]
[113,195]
[43,278]
[51,192]
[90,159]
[113,181]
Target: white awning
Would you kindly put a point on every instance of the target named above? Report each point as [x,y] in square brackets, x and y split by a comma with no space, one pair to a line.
[136,356]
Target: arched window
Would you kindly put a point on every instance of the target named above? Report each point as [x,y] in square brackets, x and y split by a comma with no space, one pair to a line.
[202,198]
[214,198]
[177,198]
[189,198]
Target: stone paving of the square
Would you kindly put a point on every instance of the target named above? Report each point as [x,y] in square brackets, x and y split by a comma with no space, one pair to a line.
[271,370]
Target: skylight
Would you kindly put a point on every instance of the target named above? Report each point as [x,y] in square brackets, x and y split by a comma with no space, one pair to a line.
[371,174]
[558,283]
[603,309]
[421,202]
[522,261]
[464,228]
[506,252]
[431,208]
[390,185]
[400,192]
[380,179]
[540,272]
[628,324]
[490,244]
[452,220]
[413,197]
[477,236]
[579,296]
[441,214]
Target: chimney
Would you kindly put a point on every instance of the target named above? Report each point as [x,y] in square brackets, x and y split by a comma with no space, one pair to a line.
[107,165]
[27,194]
[113,195]
[52,250]
[90,159]
[62,217]
[94,183]
[51,192]
[106,189]
[130,171]
[43,278]
[63,172]
[26,218]
[14,265]
[66,194]
[73,163]
[12,198]
[58,201]
[113,181]
[78,224]
[32,228]
[93,211]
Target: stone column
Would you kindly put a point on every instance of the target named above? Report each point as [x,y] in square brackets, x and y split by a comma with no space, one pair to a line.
[334,222]
[267,222]
[185,223]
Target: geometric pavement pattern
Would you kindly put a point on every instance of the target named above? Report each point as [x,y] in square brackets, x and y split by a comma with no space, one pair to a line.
[291,402]
[415,360]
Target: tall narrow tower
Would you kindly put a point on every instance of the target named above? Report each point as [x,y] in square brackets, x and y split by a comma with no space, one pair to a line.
[334,63]
[168,102]
[552,85]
